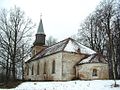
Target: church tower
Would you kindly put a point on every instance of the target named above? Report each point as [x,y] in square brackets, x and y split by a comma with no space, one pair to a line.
[39,43]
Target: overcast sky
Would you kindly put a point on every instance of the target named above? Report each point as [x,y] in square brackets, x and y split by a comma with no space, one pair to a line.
[61,18]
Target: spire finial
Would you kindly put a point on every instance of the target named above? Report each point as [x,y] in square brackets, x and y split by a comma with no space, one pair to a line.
[40,27]
[40,15]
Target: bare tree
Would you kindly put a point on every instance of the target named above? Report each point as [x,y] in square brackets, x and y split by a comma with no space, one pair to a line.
[92,33]
[50,41]
[101,32]
[14,34]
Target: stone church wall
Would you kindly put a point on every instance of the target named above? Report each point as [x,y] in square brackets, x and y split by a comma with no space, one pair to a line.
[47,75]
[85,71]
[69,61]
[65,68]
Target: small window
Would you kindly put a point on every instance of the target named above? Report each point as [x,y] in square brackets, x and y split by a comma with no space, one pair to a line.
[33,70]
[53,67]
[33,52]
[78,50]
[38,69]
[94,72]
[45,68]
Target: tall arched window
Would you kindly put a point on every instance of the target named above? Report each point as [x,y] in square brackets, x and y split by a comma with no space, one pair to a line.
[38,69]
[33,70]
[94,73]
[53,67]
[27,70]
[45,68]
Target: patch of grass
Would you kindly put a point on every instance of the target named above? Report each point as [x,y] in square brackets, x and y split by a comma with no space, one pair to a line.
[10,84]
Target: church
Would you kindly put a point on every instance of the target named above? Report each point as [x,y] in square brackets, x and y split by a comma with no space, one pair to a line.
[65,60]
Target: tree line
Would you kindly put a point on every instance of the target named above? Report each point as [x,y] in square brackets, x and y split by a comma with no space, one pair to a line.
[101,32]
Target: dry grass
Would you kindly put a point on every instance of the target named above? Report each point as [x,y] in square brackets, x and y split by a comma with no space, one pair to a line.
[10,84]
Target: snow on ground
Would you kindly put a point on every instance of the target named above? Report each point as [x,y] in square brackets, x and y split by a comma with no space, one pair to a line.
[70,85]
[8,89]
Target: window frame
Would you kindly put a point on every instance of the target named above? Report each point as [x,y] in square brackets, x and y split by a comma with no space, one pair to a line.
[32,73]
[44,68]
[38,67]
[34,52]
[53,67]
[27,68]
[94,73]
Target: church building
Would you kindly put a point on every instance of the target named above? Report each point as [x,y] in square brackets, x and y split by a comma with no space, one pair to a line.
[65,60]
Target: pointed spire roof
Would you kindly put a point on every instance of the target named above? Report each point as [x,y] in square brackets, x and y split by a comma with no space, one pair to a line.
[40,28]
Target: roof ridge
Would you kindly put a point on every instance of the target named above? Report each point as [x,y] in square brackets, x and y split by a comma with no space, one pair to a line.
[59,42]
[92,57]
[66,43]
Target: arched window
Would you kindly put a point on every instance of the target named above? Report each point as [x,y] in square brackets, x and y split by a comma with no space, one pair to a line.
[27,70]
[78,50]
[38,69]
[33,70]
[45,68]
[94,73]
[53,67]
[33,53]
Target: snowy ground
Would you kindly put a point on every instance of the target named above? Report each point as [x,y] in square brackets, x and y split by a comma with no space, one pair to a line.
[70,85]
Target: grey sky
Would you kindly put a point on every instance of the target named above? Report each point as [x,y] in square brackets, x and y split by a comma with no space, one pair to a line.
[61,18]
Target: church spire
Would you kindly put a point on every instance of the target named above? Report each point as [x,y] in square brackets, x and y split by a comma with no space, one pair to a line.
[40,27]
[40,36]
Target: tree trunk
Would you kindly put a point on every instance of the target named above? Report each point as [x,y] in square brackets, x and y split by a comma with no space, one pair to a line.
[13,71]
[110,48]
[7,71]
